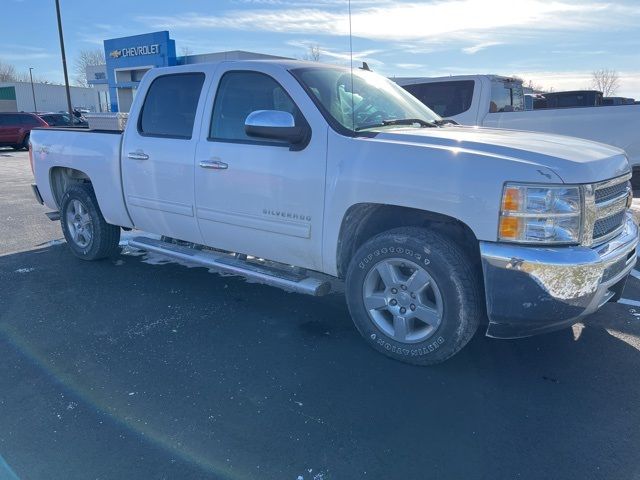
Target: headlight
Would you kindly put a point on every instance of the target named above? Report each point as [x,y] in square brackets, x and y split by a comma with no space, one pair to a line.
[540,214]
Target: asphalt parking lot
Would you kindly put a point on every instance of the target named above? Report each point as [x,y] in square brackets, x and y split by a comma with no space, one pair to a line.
[136,368]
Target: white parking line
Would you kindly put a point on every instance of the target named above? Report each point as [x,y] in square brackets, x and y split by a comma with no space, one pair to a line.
[626,301]
[6,472]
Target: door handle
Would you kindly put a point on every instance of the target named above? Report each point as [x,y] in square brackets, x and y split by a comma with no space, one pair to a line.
[215,164]
[139,155]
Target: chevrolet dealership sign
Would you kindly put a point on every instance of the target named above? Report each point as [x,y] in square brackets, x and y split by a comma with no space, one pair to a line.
[136,51]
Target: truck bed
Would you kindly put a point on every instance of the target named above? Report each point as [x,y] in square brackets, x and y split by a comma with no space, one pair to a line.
[62,155]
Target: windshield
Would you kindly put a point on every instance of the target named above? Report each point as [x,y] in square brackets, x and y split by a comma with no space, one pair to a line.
[373,102]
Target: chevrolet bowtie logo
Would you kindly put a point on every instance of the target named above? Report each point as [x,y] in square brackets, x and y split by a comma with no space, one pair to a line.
[116,54]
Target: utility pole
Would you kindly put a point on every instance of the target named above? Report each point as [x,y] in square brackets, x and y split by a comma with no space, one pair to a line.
[33,91]
[64,60]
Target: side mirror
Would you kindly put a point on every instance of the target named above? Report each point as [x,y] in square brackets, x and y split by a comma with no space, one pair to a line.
[276,125]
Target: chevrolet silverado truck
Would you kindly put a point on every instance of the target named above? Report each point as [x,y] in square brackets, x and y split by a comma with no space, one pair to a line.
[498,102]
[292,174]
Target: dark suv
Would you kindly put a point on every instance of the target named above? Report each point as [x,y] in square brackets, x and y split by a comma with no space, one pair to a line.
[15,129]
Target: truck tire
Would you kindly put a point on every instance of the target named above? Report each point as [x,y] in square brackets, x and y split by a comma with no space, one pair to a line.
[25,142]
[414,295]
[87,233]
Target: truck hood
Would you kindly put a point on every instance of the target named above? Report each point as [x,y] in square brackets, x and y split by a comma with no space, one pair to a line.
[574,160]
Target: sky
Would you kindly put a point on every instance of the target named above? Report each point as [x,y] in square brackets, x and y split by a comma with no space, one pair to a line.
[554,43]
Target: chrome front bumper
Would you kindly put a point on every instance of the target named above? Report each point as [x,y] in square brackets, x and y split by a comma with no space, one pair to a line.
[532,290]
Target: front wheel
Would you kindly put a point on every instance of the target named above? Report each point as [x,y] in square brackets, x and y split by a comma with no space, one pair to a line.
[87,233]
[414,295]
[25,142]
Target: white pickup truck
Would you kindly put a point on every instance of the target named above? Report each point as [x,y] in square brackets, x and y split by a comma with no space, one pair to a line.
[291,173]
[498,102]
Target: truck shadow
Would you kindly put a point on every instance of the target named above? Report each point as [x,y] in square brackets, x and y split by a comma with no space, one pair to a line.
[220,376]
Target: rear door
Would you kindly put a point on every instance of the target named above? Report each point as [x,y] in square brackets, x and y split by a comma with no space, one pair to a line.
[158,155]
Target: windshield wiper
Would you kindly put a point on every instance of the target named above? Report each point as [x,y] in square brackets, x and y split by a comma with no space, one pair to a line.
[409,121]
[399,121]
[445,121]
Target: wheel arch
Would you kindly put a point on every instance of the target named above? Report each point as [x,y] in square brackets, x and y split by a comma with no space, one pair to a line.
[363,221]
[61,178]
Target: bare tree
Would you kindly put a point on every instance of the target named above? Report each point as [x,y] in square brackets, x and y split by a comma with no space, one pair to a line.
[536,87]
[314,53]
[85,59]
[605,80]
[7,72]
[186,51]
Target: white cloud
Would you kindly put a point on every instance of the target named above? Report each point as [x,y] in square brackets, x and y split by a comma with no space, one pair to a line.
[476,21]
[409,66]
[413,27]
[309,3]
[480,46]
[342,56]
[12,52]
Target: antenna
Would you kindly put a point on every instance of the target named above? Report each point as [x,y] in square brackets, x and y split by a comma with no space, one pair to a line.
[353,115]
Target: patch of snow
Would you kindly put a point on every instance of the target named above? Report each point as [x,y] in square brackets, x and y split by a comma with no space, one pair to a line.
[626,301]
[53,243]
[140,329]
[25,270]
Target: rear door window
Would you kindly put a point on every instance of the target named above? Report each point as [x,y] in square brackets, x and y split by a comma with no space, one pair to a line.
[506,96]
[169,109]
[445,98]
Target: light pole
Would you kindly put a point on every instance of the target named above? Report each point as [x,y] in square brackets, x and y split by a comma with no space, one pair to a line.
[33,91]
[64,60]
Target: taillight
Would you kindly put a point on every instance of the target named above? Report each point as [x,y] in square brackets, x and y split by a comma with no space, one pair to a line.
[31,158]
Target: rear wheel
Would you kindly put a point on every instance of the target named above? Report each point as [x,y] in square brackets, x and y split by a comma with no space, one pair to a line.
[25,142]
[414,295]
[87,233]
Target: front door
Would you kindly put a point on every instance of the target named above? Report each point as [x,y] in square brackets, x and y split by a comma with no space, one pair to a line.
[158,157]
[255,196]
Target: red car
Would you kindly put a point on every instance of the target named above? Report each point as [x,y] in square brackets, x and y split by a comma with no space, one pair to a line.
[15,129]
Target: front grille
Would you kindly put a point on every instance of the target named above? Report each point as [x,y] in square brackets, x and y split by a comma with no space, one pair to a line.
[609,207]
[606,225]
[608,193]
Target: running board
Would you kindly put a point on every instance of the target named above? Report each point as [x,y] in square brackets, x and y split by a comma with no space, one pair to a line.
[286,278]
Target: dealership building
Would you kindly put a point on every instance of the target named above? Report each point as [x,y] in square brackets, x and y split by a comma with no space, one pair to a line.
[129,58]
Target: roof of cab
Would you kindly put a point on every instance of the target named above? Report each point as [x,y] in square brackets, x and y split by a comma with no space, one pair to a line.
[286,64]
[450,78]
